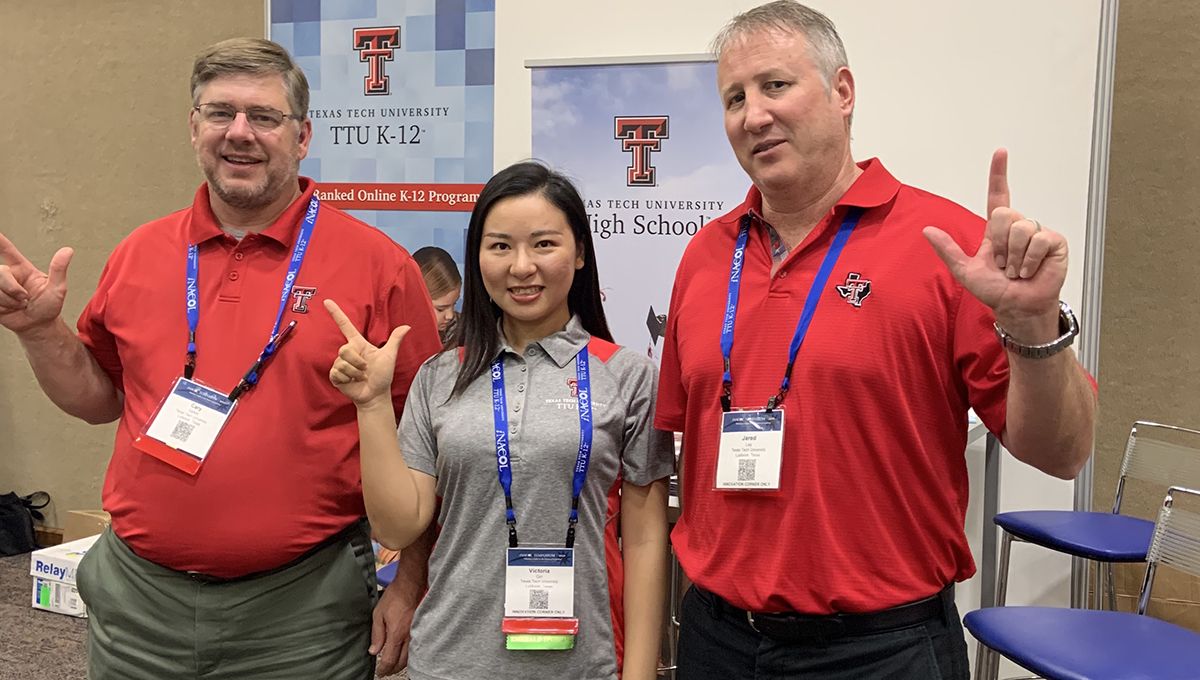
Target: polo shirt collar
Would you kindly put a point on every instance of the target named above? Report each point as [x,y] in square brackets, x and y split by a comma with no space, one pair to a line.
[204,225]
[873,188]
[561,347]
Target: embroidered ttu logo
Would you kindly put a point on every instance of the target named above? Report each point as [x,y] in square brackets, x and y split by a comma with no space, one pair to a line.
[302,295]
[574,385]
[855,290]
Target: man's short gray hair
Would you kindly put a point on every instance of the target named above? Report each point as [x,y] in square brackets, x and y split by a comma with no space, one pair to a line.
[825,46]
[251,56]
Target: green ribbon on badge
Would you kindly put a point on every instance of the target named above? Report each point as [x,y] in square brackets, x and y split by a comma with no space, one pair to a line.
[528,641]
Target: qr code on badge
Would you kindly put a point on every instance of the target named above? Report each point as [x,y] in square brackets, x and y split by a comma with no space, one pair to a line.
[182,431]
[746,470]
[539,599]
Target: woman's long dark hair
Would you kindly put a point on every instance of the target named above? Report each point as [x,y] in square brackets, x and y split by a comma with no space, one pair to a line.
[478,334]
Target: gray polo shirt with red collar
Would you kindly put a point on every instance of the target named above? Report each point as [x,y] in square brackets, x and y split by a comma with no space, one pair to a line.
[456,630]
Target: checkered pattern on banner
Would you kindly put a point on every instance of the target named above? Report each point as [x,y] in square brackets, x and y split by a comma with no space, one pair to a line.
[445,64]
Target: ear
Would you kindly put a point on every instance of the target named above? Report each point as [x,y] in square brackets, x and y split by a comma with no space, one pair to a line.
[842,90]
[579,261]
[305,136]
[194,125]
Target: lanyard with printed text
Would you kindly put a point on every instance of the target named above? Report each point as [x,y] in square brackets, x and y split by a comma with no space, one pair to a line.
[504,465]
[806,315]
[193,297]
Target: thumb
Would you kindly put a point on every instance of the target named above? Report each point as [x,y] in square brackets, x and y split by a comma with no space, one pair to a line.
[945,247]
[58,268]
[378,635]
[393,344]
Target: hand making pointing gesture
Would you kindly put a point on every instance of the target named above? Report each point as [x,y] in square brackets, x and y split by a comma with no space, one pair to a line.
[1020,266]
[30,298]
[362,371]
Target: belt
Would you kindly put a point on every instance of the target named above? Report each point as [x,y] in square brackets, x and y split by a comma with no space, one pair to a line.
[794,626]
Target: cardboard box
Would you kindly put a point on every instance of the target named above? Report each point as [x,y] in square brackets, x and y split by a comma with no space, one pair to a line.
[84,523]
[53,570]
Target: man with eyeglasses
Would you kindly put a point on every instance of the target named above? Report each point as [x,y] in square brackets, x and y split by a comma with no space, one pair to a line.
[238,547]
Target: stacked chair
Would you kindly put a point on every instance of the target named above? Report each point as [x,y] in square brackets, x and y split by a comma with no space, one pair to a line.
[1074,644]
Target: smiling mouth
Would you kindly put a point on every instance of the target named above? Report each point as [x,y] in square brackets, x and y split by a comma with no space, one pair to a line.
[766,146]
[244,161]
[526,290]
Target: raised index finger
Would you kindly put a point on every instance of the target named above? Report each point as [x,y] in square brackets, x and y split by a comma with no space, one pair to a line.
[998,183]
[9,253]
[344,323]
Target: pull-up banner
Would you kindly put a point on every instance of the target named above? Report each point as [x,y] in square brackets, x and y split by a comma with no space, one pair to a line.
[646,145]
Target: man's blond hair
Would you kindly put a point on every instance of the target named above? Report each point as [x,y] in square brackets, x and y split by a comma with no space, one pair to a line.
[251,56]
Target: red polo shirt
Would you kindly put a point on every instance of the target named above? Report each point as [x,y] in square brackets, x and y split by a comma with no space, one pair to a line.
[874,485]
[284,475]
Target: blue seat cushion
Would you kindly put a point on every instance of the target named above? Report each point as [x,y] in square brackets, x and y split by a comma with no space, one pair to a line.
[1100,536]
[1085,644]
[386,574]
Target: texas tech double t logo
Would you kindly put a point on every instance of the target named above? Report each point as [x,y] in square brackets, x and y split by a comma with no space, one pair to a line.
[641,135]
[375,46]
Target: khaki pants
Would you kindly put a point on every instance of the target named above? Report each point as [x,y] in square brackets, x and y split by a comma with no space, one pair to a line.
[308,619]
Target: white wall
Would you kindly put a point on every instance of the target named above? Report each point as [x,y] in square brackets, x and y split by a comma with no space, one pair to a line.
[941,84]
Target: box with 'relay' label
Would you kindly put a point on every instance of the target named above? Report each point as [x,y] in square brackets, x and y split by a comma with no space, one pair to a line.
[53,570]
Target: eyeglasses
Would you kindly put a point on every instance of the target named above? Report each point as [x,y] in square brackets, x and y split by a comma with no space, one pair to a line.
[261,118]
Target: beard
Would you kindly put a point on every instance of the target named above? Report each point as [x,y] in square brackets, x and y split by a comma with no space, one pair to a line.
[276,182]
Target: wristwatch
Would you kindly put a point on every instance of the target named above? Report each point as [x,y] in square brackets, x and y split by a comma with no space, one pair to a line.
[1068,328]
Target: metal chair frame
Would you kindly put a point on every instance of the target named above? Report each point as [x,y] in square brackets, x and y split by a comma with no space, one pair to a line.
[1176,543]
[1174,464]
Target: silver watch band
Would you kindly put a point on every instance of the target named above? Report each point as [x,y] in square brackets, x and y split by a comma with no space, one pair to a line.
[1068,328]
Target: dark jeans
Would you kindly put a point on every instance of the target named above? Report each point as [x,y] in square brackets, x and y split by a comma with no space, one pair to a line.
[713,644]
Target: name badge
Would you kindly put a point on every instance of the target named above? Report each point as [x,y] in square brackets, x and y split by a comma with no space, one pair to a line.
[185,426]
[751,451]
[540,583]
[539,598]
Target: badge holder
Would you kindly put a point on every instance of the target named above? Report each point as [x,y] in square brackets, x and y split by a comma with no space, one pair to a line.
[750,455]
[539,598]
[185,425]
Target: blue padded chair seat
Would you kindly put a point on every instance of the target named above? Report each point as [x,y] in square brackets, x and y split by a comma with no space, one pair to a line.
[1083,644]
[386,574]
[1100,536]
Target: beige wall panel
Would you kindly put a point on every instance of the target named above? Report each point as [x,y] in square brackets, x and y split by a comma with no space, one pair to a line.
[1150,338]
[93,142]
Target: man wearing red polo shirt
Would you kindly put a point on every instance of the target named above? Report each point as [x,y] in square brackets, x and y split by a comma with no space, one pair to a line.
[238,547]
[825,487]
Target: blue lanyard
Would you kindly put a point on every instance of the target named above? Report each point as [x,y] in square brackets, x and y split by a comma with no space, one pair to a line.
[193,295]
[504,465]
[806,315]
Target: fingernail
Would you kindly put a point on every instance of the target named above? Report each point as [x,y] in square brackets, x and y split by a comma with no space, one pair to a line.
[1000,261]
[373,650]
[1011,273]
[1025,272]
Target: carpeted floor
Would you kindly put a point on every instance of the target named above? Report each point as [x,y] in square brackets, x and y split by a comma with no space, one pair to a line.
[39,645]
[36,645]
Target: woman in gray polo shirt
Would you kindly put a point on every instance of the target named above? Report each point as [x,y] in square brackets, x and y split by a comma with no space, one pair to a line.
[535,413]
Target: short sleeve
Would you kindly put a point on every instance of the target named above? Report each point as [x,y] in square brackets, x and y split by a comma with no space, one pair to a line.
[407,303]
[94,332]
[648,453]
[671,405]
[982,362]
[417,442]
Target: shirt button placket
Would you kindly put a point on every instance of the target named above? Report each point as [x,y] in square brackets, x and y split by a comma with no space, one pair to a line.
[517,403]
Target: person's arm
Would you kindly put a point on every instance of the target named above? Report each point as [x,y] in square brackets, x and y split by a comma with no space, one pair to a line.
[644,547]
[1051,411]
[31,302]
[390,632]
[1018,272]
[400,501]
